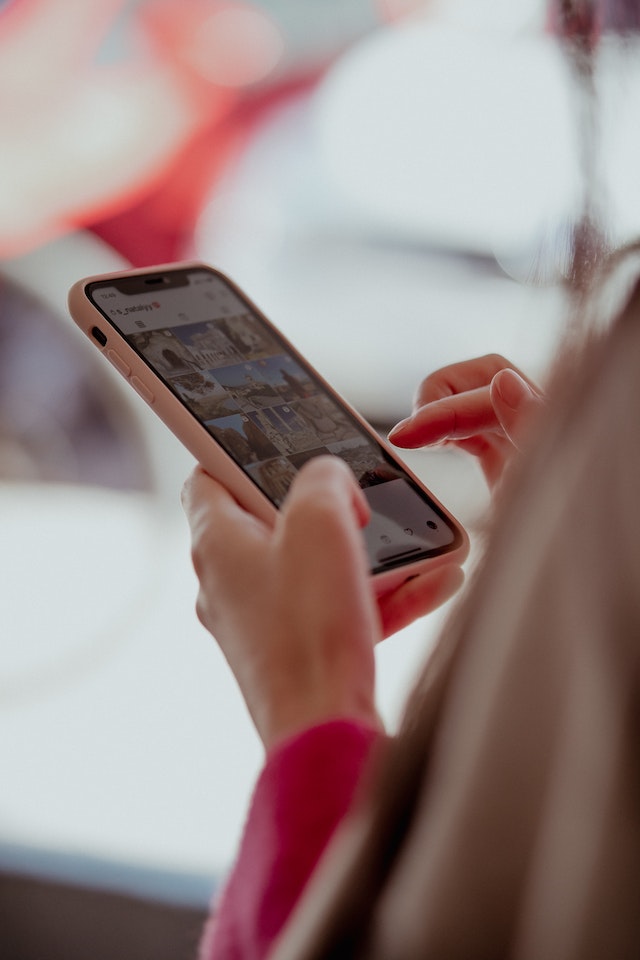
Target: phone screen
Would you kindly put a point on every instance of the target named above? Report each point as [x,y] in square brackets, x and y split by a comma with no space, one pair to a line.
[262,403]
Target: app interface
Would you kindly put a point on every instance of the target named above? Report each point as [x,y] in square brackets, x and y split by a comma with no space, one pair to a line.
[265,407]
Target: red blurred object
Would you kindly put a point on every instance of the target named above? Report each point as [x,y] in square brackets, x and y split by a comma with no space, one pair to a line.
[134,144]
[583,21]
[217,44]
[392,10]
[158,227]
[578,21]
[82,137]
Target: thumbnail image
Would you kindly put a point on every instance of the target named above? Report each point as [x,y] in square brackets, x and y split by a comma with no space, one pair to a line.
[249,337]
[208,344]
[361,455]
[285,376]
[286,430]
[299,459]
[165,353]
[204,395]
[247,386]
[325,417]
[242,439]
[274,477]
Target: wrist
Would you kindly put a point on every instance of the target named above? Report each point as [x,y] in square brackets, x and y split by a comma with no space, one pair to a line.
[281,719]
[305,689]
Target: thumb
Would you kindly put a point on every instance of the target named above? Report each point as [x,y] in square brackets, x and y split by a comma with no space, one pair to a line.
[327,481]
[514,401]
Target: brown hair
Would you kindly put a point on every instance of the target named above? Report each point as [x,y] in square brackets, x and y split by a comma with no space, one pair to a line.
[531,693]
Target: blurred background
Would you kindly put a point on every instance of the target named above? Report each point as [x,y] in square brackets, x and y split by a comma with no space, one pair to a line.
[393,182]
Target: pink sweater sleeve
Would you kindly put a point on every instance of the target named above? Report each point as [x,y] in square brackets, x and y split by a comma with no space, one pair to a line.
[305,788]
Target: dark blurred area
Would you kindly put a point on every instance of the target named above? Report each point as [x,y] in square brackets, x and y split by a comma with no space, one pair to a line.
[59,921]
[61,420]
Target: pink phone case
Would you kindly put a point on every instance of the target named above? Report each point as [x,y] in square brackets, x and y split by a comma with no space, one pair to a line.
[199,441]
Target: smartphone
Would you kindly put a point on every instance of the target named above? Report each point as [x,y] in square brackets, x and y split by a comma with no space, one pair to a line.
[251,409]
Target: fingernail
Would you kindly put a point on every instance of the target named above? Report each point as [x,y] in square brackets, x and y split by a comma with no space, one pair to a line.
[511,388]
[399,428]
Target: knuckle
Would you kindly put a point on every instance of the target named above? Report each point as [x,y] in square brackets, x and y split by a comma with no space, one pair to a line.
[201,609]
[204,611]
[427,391]
[496,360]
[201,554]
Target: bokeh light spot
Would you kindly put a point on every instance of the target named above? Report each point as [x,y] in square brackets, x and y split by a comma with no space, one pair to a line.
[235,47]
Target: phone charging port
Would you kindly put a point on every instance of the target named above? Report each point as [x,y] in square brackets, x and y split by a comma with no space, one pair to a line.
[98,335]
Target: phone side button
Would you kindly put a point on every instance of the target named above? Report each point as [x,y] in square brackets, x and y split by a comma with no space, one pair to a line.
[119,363]
[143,390]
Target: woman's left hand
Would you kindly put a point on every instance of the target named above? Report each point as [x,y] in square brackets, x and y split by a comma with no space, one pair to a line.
[292,606]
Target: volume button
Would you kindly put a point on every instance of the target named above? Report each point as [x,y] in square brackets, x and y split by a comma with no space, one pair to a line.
[143,390]
[118,362]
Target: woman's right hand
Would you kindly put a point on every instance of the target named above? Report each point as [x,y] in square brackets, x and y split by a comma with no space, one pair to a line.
[481,405]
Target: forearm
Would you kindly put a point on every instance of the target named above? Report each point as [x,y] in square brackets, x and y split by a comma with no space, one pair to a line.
[307,786]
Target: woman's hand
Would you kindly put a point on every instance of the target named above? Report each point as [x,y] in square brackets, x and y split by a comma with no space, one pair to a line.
[481,405]
[292,605]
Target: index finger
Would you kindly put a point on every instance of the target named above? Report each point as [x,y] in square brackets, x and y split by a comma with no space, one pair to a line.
[453,417]
[458,378]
